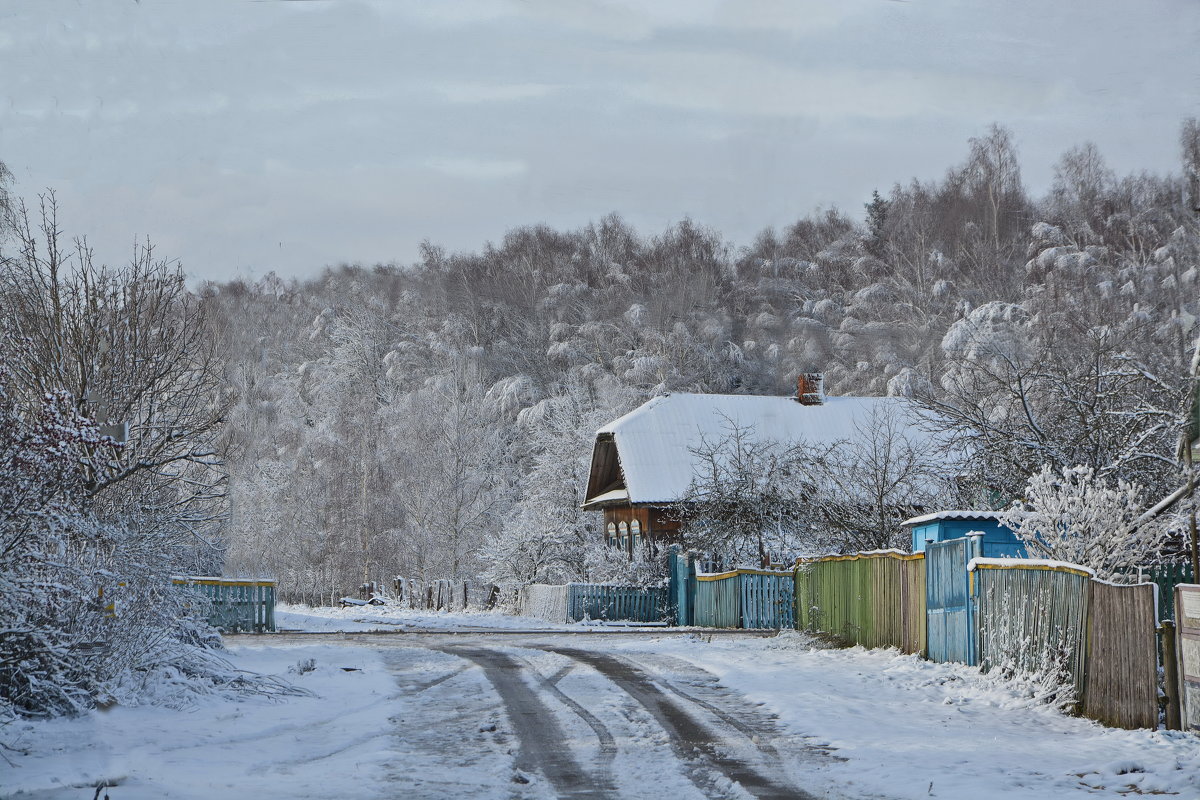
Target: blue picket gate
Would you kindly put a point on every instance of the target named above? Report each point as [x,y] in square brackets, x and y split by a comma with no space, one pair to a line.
[950,623]
[718,600]
[234,605]
[768,599]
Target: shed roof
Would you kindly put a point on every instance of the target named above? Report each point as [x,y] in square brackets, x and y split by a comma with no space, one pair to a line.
[654,442]
[954,514]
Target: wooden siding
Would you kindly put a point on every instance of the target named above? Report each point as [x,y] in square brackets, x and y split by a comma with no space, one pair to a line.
[1122,661]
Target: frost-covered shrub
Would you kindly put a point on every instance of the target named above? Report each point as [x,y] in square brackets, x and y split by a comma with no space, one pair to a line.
[1077,516]
[87,610]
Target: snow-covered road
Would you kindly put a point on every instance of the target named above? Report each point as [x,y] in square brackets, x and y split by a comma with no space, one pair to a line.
[522,714]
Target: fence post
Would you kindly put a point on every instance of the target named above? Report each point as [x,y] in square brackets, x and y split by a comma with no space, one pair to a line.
[1171,675]
[691,590]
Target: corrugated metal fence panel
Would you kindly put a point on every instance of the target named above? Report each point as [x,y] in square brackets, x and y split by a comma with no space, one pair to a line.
[872,599]
[718,601]
[235,605]
[768,599]
[629,603]
[1187,618]
[1122,656]
[1167,577]
[1032,620]
[948,602]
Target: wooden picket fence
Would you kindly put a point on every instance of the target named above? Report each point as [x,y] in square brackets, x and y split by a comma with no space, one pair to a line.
[624,603]
[1032,619]
[745,598]
[234,605]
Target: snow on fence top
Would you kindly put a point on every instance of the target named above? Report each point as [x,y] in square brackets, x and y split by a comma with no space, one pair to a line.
[1029,563]
[889,553]
[656,440]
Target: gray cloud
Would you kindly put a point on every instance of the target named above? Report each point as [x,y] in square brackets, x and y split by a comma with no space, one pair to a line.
[285,136]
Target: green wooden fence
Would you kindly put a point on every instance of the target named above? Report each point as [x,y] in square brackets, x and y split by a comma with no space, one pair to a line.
[1166,577]
[869,599]
[235,605]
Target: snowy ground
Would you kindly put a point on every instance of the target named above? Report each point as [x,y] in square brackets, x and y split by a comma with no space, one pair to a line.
[538,715]
[382,618]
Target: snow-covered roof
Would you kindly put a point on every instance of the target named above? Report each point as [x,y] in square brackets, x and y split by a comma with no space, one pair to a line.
[955,514]
[615,496]
[655,440]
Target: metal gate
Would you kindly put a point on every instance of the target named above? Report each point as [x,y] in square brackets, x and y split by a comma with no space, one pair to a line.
[950,624]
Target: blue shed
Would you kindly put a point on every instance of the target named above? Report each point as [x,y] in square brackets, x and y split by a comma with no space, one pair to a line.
[941,526]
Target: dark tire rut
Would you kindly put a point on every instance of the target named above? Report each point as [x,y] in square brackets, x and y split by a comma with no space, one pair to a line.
[694,744]
[543,746]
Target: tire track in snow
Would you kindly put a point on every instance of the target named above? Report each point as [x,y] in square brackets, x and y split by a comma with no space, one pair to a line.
[691,741]
[543,746]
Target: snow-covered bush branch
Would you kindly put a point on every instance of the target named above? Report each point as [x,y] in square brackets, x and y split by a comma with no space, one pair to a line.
[1074,515]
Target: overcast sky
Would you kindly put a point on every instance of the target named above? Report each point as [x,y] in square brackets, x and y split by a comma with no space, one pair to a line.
[255,136]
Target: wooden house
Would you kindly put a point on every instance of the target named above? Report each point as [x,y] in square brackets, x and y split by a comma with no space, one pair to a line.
[643,462]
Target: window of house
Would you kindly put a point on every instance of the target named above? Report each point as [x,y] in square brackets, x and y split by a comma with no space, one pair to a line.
[612,534]
[623,536]
[635,534]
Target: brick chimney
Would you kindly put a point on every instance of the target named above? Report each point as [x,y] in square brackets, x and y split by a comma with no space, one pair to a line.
[810,388]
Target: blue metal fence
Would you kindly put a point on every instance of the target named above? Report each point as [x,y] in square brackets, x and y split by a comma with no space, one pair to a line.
[949,625]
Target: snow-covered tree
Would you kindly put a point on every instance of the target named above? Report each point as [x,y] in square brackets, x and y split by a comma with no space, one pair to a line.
[748,498]
[87,609]
[1073,514]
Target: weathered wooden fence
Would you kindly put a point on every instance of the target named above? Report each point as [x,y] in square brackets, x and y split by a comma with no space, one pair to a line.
[871,599]
[1121,687]
[629,603]
[1187,617]
[1032,617]
[437,595]
[545,601]
[234,605]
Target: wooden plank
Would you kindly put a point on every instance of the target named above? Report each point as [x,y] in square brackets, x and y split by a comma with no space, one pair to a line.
[1122,661]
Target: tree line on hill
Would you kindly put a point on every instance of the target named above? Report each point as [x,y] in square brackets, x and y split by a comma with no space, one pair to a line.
[434,420]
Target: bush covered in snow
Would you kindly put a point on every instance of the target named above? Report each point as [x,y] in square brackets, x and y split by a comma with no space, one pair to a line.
[88,611]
